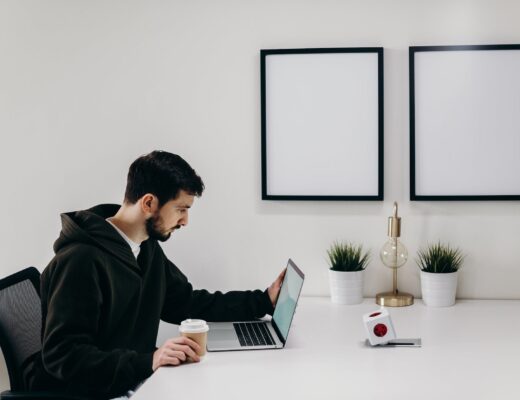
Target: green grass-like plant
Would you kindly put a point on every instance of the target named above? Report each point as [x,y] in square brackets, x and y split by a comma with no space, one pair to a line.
[439,258]
[344,256]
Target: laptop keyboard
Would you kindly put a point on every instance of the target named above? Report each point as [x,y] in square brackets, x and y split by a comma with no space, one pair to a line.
[253,334]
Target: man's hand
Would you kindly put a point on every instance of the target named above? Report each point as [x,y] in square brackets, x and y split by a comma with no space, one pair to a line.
[274,289]
[175,351]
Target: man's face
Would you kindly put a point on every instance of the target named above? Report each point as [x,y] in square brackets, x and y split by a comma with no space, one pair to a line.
[172,215]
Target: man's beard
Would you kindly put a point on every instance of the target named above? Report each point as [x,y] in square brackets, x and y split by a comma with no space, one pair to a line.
[153,228]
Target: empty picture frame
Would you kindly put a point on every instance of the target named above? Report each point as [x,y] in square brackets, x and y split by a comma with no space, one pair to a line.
[465,122]
[322,124]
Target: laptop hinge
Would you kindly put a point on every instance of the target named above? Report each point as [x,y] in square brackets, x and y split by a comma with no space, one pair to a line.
[277,331]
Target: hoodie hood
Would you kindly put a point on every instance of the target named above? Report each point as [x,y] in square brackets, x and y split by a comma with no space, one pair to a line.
[90,227]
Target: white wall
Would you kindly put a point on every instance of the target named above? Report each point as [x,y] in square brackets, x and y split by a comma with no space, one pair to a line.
[87,86]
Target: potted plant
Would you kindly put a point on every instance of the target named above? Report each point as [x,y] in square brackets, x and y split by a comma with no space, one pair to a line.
[439,264]
[347,266]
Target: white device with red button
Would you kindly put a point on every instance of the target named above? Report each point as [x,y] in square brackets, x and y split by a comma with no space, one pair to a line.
[378,325]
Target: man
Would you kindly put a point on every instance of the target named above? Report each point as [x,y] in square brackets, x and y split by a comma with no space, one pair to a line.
[110,283]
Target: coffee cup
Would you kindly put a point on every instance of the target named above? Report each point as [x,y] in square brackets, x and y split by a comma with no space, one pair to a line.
[196,330]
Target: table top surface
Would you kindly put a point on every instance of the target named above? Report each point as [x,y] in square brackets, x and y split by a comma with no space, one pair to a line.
[470,350]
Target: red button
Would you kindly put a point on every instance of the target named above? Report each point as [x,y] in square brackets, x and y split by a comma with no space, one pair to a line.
[380,330]
[374,314]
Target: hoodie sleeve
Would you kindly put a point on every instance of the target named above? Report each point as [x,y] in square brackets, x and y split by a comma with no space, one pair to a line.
[182,301]
[69,353]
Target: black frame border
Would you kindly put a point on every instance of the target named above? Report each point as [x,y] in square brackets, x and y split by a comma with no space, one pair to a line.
[379,51]
[411,52]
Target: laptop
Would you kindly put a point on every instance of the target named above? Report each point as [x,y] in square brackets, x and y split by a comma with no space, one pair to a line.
[260,335]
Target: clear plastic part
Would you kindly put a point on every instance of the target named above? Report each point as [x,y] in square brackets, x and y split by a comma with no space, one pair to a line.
[393,253]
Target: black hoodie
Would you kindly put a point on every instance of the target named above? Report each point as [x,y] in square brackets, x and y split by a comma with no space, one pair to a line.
[101,307]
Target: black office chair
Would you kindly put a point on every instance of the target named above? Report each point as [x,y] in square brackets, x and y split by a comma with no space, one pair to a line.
[20,332]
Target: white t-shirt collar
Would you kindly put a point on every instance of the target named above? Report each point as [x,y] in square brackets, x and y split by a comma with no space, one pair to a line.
[135,247]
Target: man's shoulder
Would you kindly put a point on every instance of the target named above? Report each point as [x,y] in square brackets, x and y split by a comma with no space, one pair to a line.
[74,258]
[79,251]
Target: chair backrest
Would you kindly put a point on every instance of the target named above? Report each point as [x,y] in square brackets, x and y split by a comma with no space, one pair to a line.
[20,322]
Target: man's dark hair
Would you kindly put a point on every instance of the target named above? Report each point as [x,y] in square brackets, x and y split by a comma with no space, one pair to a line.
[162,174]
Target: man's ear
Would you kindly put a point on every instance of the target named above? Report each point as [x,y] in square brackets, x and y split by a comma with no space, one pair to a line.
[149,204]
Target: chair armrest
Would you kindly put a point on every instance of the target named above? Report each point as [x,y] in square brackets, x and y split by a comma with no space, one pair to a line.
[9,395]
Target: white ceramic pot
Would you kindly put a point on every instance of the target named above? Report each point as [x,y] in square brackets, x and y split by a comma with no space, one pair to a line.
[346,287]
[439,290]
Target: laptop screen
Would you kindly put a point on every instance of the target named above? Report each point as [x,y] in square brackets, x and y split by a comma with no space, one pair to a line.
[287,299]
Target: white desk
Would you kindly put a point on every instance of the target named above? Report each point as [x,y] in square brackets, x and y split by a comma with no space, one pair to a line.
[470,351]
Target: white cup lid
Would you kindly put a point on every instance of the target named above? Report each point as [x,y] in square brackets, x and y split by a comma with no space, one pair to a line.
[193,326]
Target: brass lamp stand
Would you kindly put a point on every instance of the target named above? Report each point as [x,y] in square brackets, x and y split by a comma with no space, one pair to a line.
[394,255]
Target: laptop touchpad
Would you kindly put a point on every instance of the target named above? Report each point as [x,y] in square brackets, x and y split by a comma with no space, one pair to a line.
[223,334]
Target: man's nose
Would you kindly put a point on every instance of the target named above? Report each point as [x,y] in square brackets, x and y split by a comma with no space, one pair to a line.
[184,220]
